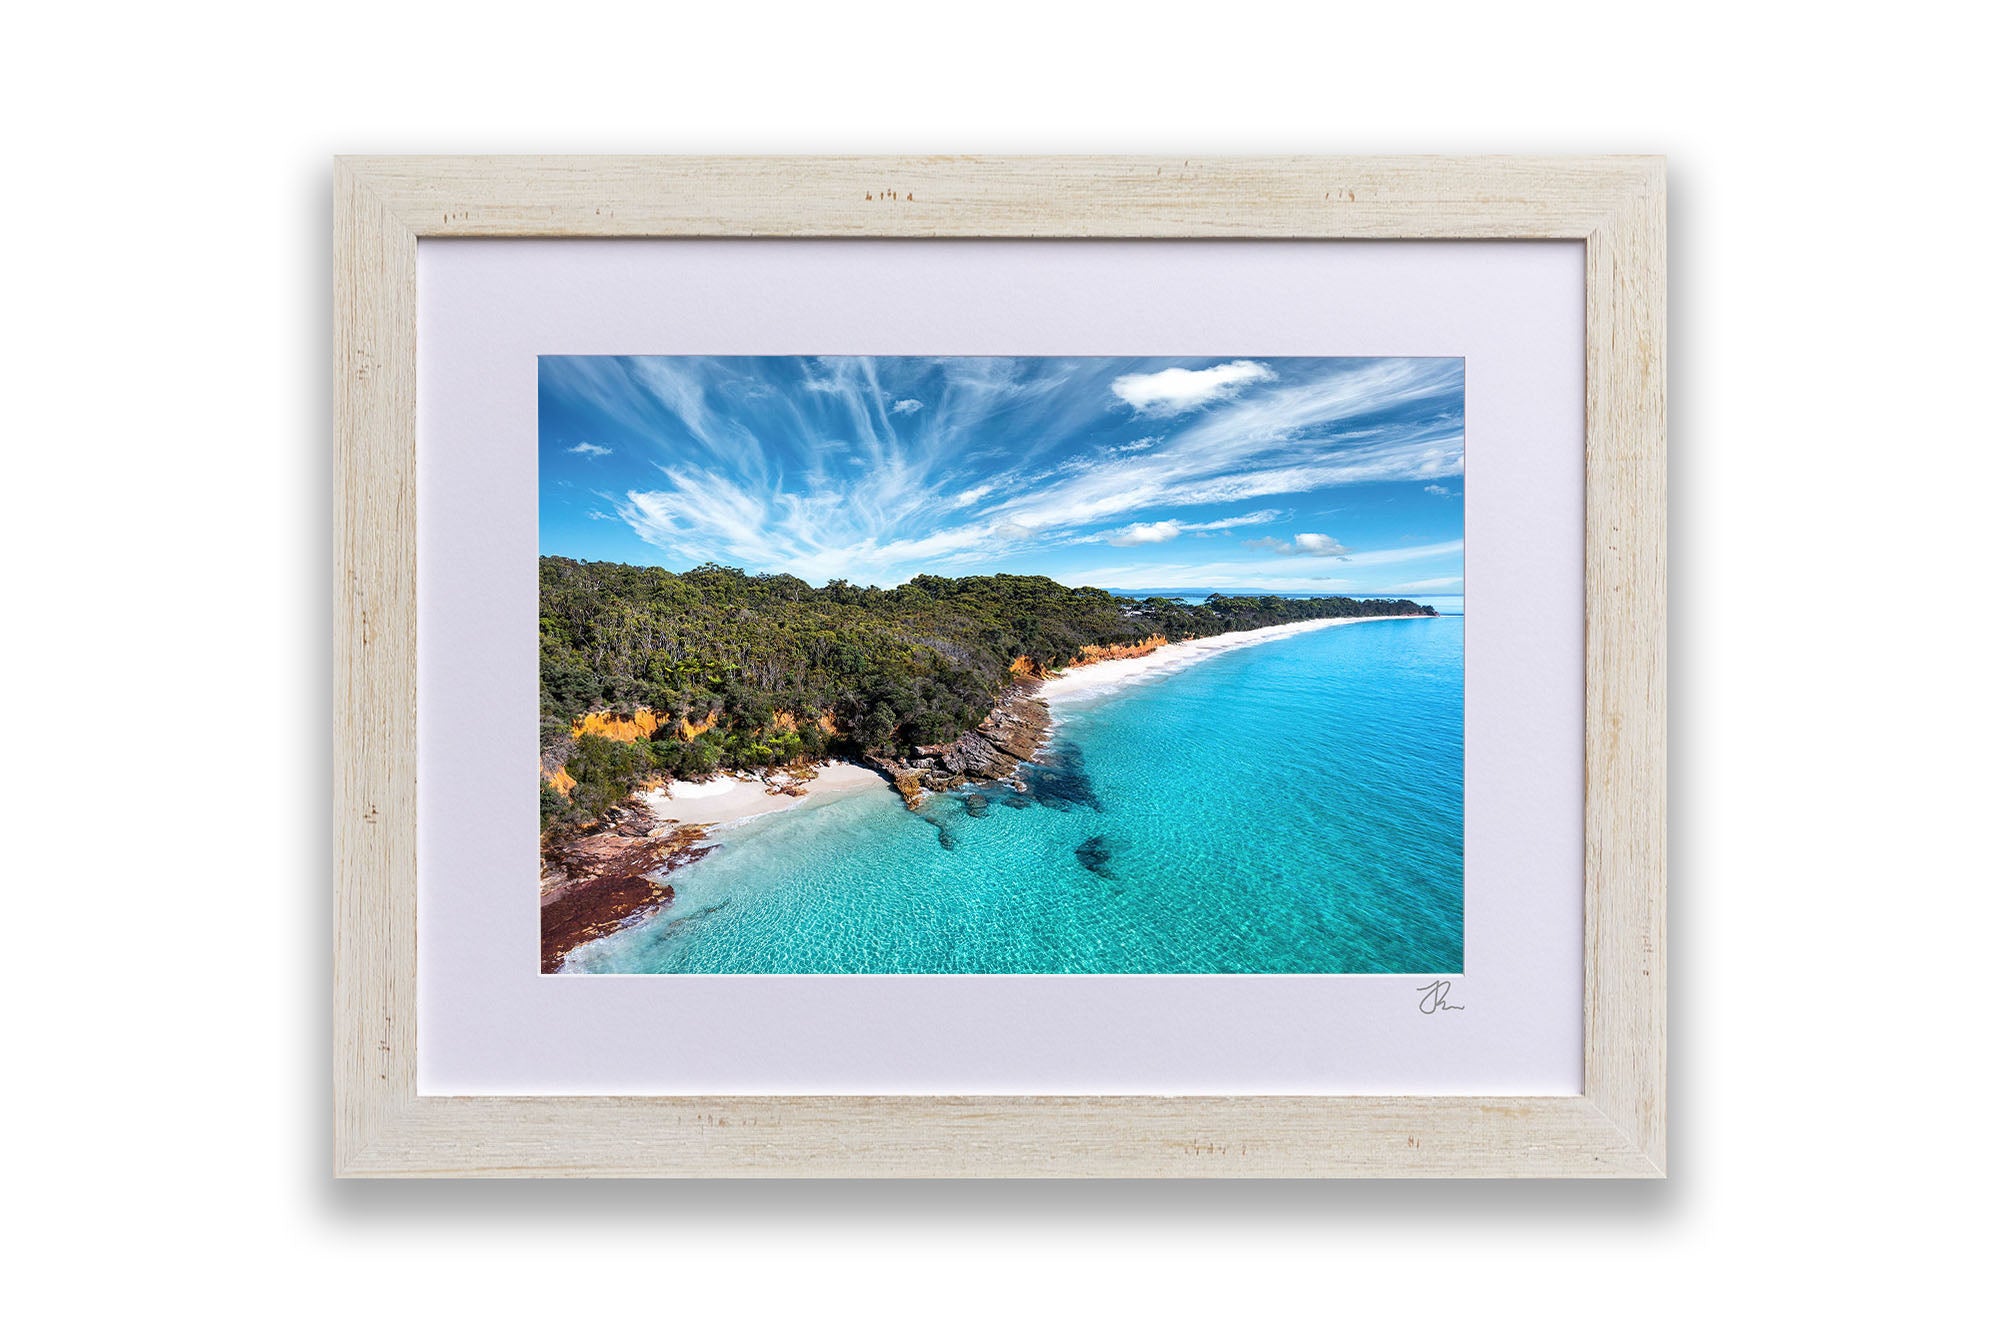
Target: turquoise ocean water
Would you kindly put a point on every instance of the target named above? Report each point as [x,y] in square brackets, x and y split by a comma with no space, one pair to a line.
[1289,806]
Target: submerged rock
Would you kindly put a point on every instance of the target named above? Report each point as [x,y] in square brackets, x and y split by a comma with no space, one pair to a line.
[1061,784]
[1094,854]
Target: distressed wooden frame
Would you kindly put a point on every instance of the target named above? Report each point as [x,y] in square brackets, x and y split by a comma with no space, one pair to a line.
[383,206]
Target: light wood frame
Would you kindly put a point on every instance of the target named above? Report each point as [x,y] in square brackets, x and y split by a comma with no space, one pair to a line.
[382,206]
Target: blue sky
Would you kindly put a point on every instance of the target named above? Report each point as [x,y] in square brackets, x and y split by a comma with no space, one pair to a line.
[1270,473]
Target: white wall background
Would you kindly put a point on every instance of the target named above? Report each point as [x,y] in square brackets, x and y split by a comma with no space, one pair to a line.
[167,553]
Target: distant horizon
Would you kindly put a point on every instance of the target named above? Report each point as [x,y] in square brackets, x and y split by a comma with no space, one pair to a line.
[1010,573]
[1265,477]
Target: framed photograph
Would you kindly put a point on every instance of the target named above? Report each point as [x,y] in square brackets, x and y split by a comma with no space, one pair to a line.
[1000,667]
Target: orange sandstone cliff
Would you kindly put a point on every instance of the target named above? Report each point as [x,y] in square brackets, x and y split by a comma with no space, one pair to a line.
[1093,652]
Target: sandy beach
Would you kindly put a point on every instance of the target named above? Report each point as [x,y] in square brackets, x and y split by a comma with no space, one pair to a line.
[727,798]
[1100,677]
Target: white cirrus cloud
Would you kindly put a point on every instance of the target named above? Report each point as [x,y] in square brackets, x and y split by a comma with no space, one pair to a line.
[1262,573]
[1173,391]
[589,450]
[797,467]
[1166,529]
[1240,521]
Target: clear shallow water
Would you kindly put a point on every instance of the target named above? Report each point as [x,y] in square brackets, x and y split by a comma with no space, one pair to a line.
[1290,806]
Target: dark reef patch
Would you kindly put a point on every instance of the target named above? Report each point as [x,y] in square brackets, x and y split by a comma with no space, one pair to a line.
[698,914]
[1060,782]
[1094,854]
[946,839]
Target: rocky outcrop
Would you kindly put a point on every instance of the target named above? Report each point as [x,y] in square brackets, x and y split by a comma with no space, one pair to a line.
[1008,737]
[909,783]
[602,907]
[596,883]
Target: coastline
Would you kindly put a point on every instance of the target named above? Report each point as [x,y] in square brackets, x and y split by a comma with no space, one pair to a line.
[612,880]
[1028,712]
[1098,678]
[1109,845]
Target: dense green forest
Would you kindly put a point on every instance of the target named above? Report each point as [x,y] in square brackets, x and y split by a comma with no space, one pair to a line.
[763,657]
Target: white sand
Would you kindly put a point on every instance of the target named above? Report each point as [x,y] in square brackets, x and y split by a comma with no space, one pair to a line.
[727,798]
[1103,677]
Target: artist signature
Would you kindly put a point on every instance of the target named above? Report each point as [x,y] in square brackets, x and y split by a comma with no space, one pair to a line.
[1435,998]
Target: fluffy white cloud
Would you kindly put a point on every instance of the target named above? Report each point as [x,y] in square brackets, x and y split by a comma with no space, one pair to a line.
[1305,543]
[1170,392]
[904,406]
[1141,534]
[589,450]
